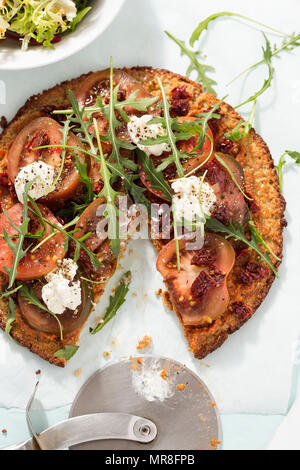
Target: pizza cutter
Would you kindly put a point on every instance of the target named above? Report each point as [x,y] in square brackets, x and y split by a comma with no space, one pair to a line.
[142,403]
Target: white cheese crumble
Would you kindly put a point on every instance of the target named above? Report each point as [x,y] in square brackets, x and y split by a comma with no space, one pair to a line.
[139,130]
[43,176]
[62,291]
[67,7]
[186,198]
[149,383]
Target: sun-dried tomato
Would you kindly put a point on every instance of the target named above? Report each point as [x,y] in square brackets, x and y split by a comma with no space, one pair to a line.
[224,145]
[203,257]
[201,285]
[180,103]
[12,192]
[215,174]
[222,213]
[180,93]
[98,186]
[121,95]
[253,272]
[39,139]
[180,107]
[4,181]
[241,310]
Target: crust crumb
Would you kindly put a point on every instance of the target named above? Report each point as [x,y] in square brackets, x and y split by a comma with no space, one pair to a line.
[145,342]
[163,374]
[166,300]
[4,431]
[181,387]
[77,372]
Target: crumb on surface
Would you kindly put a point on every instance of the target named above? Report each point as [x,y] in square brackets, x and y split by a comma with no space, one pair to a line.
[77,372]
[163,374]
[106,354]
[158,292]
[145,342]
[135,362]
[134,294]
[213,404]
[4,431]
[38,372]
[181,387]
[214,443]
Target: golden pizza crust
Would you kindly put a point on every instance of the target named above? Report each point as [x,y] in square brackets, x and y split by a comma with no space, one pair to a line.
[261,183]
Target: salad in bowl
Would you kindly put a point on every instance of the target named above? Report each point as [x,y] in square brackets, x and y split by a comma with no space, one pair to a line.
[34,22]
[34,33]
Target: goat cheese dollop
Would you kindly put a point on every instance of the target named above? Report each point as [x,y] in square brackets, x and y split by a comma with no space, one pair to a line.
[67,7]
[61,291]
[139,129]
[186,198]
[41,174]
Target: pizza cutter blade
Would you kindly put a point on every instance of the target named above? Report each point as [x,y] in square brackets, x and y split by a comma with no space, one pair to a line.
[159,389]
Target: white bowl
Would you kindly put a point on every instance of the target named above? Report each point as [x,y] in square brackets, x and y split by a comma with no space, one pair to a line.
[97,20]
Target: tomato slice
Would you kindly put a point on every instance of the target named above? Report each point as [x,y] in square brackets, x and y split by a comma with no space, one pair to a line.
[70,320]
[199,291]
[88,223]
[44,259]
[231,205]
[39,132]
[190,164]
[98,84]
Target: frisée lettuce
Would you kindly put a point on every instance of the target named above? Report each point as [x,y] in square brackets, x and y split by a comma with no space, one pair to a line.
[40,21]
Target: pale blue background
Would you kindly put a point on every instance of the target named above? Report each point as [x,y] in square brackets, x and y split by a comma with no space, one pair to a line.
[136,38]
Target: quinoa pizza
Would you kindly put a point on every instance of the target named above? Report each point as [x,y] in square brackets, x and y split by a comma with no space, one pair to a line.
[146,136]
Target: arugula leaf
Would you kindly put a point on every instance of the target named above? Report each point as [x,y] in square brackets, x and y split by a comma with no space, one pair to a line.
[267,53]
[242,128]
[67,352]
[237,233]
[11,316]
[10,292]
[84,178]
[282,161]
[115,302]
[65,132]
[110,195]
[69,236]
[167,122]
[205,23]
[31,298]
[258,236]
[21,230]
[289,43]
[156,177]
[195,65]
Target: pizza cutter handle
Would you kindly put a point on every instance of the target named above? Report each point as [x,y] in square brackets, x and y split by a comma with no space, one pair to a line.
[92,427]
